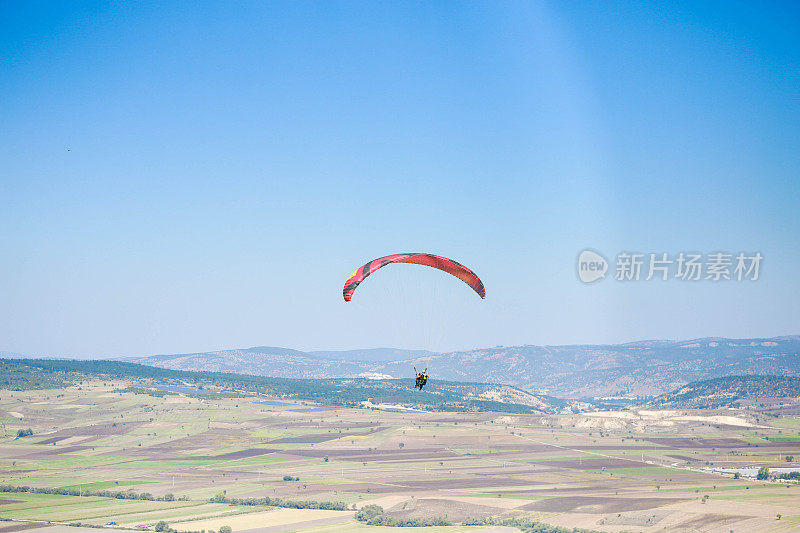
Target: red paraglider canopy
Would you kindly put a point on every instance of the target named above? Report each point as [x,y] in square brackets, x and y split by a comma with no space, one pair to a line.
[436,261]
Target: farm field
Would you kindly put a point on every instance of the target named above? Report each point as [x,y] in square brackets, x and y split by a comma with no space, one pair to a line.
[194,456]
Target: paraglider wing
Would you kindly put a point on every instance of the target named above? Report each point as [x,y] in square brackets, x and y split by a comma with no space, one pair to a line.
[436,261]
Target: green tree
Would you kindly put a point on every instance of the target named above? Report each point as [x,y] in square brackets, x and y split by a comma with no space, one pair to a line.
[763,473]
[369,512]
[225,529]
[161,526]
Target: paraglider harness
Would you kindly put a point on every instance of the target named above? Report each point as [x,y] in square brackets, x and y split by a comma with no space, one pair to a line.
[422,378]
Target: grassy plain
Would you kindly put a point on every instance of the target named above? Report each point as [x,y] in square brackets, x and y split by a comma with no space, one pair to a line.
[626,471]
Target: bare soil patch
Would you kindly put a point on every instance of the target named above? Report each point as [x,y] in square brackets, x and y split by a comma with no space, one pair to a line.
[598,504]
[465,420]
[414,485]
[241,454]
[12,527]
[181,448]
[521,447]
[65,449]
[590,489]
[330,452]
[94,430]
[100,400]
[377,455]
[322,437]
[789,444]
[306,525]
[52,440]
[711,519]
[637,518]
[455,511]
[373,488]
[400,457]
[674,442]
[308,439]
[609,447]
[468,483]
[595,463]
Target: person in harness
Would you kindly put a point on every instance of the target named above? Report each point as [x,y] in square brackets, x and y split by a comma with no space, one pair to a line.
[421,379]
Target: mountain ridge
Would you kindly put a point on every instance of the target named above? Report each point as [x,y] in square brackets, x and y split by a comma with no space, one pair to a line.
[638,368]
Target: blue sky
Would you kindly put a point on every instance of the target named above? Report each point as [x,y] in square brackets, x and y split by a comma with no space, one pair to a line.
[179,177]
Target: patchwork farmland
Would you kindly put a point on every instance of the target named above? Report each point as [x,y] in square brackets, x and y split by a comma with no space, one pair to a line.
[106,456]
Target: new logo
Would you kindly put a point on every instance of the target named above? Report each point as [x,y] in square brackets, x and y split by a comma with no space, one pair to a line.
[591,266]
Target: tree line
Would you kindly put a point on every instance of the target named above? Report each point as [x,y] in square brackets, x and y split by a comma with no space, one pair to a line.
[278,502]
[118,494]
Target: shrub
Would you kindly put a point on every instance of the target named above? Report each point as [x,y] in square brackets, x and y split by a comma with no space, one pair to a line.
[368,512]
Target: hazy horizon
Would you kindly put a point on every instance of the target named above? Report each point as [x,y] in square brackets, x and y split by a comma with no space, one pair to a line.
[6,353]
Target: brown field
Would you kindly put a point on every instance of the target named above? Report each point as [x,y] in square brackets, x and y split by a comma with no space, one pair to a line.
[454,510]
[598,504]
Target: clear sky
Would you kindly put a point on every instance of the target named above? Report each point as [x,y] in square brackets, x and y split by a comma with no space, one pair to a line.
[180,176]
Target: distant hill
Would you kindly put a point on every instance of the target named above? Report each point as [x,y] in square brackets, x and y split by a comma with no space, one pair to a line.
[11,355]
[642,368]
[373,354]
[260,361]
[22,374]
[729,391]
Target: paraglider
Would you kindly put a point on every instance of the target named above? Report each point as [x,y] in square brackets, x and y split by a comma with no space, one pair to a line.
[436,261]
[421,379]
